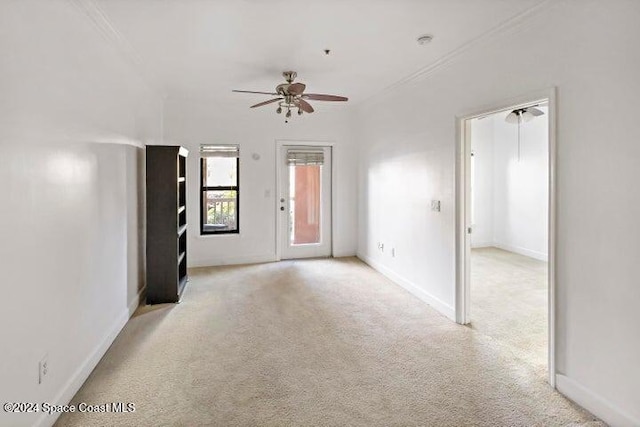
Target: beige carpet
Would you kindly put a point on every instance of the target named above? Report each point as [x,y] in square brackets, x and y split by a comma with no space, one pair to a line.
[509,303]
[312,343]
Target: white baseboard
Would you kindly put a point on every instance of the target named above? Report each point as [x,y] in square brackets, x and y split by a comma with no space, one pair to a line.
[82,373]
[133,305]
[343,254]
[252,259]
[523,251]
[594,403]
[417,291]
[475,245]
[213,262]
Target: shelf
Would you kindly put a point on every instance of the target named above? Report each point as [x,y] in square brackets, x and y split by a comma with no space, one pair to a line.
[166,215]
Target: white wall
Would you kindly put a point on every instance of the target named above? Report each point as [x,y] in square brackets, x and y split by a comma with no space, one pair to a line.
[71,111]
[588,50]
[191,123]
[510,195]
[521,186]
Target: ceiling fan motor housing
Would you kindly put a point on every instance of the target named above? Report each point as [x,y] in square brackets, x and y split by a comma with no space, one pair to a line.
[283,89]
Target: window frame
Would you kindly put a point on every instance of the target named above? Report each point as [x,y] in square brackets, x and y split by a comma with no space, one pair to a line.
[204,188]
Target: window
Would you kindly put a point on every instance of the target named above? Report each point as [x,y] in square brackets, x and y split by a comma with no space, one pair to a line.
[219,195]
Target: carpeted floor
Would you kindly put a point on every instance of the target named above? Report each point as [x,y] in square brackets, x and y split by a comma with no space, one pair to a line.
[509,303]
[314,342]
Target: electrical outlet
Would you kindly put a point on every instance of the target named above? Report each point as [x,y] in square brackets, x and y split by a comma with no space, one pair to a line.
[43,368]
[435,205]
[393,252]
[381,246]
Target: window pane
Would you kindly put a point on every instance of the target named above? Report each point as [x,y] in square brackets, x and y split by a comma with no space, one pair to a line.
[221,213]
[221,172]
[305,204]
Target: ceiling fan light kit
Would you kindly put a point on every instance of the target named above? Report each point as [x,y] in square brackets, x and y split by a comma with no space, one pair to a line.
[291,95]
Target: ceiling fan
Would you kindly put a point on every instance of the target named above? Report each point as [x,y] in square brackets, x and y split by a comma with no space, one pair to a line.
[526,114]
[291,95]
[520,115]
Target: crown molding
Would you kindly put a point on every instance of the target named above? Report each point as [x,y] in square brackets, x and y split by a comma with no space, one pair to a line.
[512,24]
[113,36]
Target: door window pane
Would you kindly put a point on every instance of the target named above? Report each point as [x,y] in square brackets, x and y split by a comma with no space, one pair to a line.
[304,204]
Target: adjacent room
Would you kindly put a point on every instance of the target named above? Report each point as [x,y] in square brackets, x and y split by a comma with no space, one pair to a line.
[247,213]
[509,230]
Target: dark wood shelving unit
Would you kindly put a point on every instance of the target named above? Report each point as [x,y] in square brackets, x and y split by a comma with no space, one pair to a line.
[166,223]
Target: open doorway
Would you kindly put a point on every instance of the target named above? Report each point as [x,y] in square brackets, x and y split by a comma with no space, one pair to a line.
[506,240]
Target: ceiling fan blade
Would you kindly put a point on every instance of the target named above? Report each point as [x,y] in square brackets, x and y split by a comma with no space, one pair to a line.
[250,91]
[512,117]
[296,88]
[304,105]
[323,97]
[535,111]
[266,102]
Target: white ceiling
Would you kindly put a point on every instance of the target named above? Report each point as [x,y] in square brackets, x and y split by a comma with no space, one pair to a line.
[202,49]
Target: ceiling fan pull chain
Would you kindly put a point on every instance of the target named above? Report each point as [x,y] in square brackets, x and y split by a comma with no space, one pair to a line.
[519,125]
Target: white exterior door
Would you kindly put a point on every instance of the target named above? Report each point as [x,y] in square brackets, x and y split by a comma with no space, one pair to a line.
[304,201]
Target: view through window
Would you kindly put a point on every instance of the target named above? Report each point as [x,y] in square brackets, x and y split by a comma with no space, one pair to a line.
[219,189]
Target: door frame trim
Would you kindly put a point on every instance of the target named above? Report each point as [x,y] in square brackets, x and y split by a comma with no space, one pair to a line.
[279,171]
[462,210]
